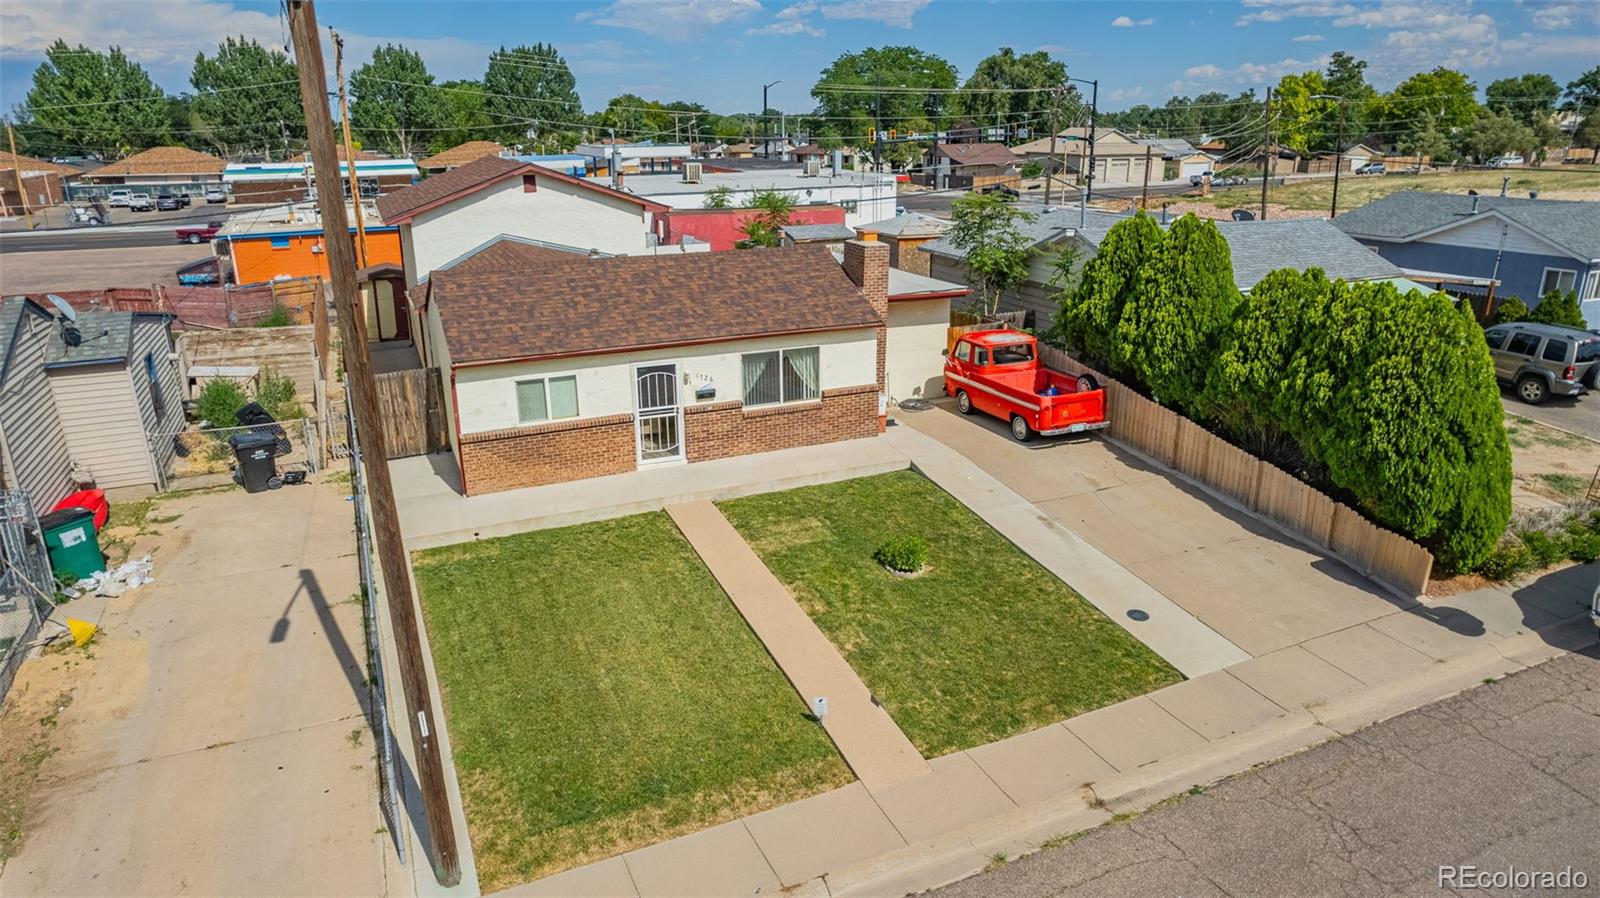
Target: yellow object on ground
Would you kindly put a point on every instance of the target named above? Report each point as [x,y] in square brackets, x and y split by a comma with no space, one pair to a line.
[82,630]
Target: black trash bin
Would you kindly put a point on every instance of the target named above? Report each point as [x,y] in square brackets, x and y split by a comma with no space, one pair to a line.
[253,415]
[255,468]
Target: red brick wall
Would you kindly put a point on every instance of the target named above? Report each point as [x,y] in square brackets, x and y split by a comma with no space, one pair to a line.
[866,262]
[723,429]
[547,453]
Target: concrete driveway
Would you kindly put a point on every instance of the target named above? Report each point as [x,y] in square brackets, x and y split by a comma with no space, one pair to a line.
[1255,585]
[216,740]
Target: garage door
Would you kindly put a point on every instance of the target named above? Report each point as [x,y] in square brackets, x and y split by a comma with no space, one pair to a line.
[1119,172]
[1190,169]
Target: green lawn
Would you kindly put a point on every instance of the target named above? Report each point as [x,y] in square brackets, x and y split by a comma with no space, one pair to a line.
[1316,194]
[984,645]
[602,693]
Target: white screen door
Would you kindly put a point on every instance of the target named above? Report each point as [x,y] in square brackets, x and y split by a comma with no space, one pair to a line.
[658,420]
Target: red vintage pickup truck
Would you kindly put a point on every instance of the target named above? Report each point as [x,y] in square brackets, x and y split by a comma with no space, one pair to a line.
[998,372]
[199,234]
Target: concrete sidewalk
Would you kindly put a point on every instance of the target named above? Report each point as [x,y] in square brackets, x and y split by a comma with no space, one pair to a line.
[872,744]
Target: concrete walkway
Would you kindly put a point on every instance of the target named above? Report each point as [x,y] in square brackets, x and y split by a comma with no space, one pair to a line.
[434,513]
[871,743]
[1173,633]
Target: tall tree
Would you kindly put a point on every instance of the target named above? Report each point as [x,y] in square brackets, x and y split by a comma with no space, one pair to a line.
[1346,77]
[1305,119]
[395,105]
[1582,94]
[1529,98]
[893,87]
[466,115]
[247,98]
[985,228]
[1446,97]
[1427,142]
[1091,310]
[1009,89]
[531,87]
[103,102]
[1497,133]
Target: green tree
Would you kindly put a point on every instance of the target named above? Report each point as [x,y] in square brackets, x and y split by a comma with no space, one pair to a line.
[1172,326]
[1346,76]
[764,228]
[1559,308]
[466,115]
[1305,122]
[530,87]
[1528,98]
[719,197]
[1588,134]
[1497,133]
[1444,96]
[396,106]
[1582,94]
[884,87]
[1090,312]
[1007,88]
[1510,309]
[247,98]
[985,227]
[1427,142]
[98,101]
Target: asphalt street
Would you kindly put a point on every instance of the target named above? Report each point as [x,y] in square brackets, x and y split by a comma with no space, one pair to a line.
[88,238]
[1580,416]
[1504,777]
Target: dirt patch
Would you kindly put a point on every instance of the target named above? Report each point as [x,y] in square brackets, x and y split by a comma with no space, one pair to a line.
[30,734]
[1552,463]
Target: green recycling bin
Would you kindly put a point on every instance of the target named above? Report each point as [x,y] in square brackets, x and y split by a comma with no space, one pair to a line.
[70,540]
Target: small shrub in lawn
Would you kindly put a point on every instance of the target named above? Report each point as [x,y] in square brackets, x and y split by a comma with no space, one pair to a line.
[1508,559]
[1543,549]
[276,395]
[277,316]
[906,554]
[218,402]
[1581,545]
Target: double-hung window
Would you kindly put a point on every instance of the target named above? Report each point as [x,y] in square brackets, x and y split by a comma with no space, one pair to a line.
[789,375]
[1562,279]
[547,399]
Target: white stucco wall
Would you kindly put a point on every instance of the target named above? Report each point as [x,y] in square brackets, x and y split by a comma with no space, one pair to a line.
[557,212]
[917,330]
[487,396]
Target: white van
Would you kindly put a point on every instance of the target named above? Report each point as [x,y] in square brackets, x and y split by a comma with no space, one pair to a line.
[119,197]
[1506,161]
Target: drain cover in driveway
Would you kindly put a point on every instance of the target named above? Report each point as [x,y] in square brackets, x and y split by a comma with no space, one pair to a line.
[1138,614]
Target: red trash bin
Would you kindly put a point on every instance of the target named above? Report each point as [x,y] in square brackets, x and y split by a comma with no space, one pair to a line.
[94,500]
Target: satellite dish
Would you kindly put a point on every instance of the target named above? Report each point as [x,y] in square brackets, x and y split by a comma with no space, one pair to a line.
[62,306]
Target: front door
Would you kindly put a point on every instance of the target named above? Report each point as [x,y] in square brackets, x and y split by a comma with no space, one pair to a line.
[658,420]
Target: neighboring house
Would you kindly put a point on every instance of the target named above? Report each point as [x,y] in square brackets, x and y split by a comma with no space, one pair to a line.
[287,241]
[460,155]
[1353,158]
[1180,160]
[721,229]
[919,328]
[450,214]
[847,155]
[1529,246]
[865,196]
[832,236]
[1257,248]
[566,163]
[292,182]
[1119,159]
[644,157]
[904,233]
[715,355]
[154,171]
[40,181]
[103,410]
[975,165]
[739,151]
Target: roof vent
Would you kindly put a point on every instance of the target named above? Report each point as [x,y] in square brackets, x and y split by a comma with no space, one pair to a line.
[813,168]
[692,172]
[1474,205]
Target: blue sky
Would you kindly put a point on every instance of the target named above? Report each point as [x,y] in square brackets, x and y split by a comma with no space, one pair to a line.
[719,52]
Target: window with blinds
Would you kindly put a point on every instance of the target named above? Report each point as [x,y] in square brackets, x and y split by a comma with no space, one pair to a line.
[547,399]
[789,375]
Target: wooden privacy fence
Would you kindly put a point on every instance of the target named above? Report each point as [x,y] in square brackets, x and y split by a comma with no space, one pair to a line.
[411,406]
[966,323]
[1224,468]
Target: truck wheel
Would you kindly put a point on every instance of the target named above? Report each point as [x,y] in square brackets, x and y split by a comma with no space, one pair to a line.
[193,238]
[1020,429]
[1087,383]
[1532,390]
[963,402]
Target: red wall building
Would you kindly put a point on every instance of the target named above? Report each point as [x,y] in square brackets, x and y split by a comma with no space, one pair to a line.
[721,227]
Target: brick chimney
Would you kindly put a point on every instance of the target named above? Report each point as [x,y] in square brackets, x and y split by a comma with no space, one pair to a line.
[866,262]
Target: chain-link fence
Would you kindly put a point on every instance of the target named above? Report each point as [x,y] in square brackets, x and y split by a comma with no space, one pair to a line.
[387,756]
[202,456]
[27,587]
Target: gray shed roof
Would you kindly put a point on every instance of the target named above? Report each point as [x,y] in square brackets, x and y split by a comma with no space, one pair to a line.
[1257,247]
[107,337]
[1574,225]
[1170,147]
[909,224]
[803,232]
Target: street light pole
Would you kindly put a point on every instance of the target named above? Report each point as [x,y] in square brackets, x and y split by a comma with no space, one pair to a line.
[1094,117]
[766,139]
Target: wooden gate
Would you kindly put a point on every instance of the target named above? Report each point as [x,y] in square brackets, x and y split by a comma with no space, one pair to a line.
[411,404]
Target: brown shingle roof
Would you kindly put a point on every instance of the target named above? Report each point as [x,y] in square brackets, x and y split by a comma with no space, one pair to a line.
[978,153]
[461,154]
[399,206]
[572,305]
[163,161]
[30,164]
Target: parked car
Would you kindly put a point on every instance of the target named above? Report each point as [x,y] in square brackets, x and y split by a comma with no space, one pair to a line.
[119,197]
[1229,181]
[199,233]
[1507,161]
[997,372]
[216,195]
[1372,168]
[1002,189]
[87,215]
[1541,360]
[141,202]
[166,202]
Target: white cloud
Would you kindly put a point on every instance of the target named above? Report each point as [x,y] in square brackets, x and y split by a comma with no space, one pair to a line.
[1557,16]
[1278,10]
[895,13]
[1244,73]
[1306,38]
[792,20]
[680,21]
[1123,94]
[1129,22]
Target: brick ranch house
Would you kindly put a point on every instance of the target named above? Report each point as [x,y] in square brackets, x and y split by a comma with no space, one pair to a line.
[559,366]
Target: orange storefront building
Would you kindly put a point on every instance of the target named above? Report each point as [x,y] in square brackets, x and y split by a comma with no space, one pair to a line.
[297,251]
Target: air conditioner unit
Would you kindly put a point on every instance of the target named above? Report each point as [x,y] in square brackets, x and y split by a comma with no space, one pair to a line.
[691,172]
[813,167]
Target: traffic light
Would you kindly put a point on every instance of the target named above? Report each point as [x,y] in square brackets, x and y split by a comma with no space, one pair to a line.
[891,133]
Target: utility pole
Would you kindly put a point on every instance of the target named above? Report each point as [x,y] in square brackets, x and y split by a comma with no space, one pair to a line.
[1049,176]
[349,149]
[1338,162]
[1144,195]
[16,169]
[425,725]
[1266,149]
[877,123]
[766,131]
[1094,116]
